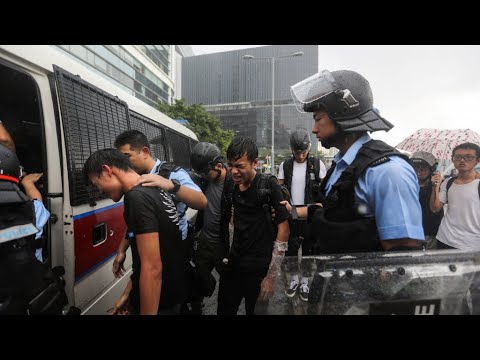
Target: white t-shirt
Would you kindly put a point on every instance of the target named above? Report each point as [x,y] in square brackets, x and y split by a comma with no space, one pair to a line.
[460,227]
[298,181]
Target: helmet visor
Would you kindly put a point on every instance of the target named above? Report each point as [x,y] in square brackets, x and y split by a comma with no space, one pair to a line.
[313,88]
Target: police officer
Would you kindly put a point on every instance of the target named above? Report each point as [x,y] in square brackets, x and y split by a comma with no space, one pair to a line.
[371,191]
[26,285]
[212,223]
[301,175]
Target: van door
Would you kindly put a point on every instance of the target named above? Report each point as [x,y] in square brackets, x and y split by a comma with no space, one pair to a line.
[91,120]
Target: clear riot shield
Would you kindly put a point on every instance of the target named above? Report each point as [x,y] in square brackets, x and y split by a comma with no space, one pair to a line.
[445,282]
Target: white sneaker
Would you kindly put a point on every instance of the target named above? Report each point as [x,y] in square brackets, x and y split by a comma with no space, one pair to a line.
[304,290]
[292,289]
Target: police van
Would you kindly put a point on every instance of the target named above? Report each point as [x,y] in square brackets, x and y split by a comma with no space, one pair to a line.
[58,113]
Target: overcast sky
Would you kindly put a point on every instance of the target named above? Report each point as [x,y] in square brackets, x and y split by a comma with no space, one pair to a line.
[414,86]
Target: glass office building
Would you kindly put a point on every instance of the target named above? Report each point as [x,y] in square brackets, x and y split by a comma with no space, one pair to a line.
[145,71]
[238,91]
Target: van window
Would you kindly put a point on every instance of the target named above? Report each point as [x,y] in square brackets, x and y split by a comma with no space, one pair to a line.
[92,119]
[154,132]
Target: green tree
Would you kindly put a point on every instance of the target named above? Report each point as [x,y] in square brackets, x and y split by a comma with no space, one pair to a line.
[206,126]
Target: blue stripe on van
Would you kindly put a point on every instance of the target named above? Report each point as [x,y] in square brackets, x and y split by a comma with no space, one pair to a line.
[76,217]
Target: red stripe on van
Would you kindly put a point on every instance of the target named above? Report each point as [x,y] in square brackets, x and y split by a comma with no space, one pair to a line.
[88,256]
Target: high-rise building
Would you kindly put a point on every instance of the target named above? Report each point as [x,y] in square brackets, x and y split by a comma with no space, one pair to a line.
[149,72]
[238,91]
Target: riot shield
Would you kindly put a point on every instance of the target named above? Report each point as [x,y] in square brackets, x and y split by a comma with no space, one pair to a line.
[445,282]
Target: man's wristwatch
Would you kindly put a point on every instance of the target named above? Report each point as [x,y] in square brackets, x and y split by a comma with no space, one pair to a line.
[176,186]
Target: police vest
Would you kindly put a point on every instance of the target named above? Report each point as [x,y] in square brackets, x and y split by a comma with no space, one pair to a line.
[17,224]
[341,227]
[312,179]
[26,285]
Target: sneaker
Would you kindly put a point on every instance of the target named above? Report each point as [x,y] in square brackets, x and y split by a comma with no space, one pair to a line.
[304,290]
[292,289]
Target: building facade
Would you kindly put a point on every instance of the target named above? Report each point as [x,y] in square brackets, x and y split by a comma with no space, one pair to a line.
[238,91]
[149,72]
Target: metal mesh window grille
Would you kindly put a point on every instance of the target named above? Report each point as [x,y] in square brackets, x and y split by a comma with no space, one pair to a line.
[179,148]
[154,132]
[91,120]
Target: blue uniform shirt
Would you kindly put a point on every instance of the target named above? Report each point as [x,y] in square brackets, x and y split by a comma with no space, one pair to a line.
[41,217]
[185,180]
[389,192]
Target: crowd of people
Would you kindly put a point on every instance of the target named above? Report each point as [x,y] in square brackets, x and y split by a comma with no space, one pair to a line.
[372,198]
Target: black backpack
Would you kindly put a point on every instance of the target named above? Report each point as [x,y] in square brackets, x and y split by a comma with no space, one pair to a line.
[450,182]
[264,197]
[166,169]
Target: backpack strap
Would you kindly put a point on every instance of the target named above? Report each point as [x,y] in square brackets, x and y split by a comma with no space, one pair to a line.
[288,173]
[264,198]
[166,168]
[449,185]
[316,168]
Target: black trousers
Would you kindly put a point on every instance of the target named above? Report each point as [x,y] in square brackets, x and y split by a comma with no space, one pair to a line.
[234,287]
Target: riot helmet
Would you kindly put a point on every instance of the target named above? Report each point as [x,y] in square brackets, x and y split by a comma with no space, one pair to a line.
[10,173]
[9,165]
[345,95]
[204,157]
[424,158]
[300,140]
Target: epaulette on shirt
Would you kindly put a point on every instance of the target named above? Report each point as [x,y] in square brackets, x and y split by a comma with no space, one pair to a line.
[380,161]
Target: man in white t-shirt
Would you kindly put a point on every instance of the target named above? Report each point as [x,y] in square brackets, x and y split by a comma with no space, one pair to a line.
[460,227]
[301,175]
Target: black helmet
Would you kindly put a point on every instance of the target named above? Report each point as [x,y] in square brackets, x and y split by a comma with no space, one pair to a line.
[9,165]
[205,156]
[300,140]
[9,177]
[345,95]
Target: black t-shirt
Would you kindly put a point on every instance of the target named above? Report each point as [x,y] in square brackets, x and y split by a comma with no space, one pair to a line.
[430,220]
[254,232]
[147,210]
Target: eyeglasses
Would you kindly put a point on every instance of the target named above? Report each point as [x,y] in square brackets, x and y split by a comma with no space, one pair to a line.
[467,158]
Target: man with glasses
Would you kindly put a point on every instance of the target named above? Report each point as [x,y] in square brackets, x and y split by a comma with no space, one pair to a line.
[301,175]
[425,164]
[460,227]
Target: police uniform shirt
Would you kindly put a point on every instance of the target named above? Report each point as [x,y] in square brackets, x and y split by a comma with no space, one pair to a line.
[388,191]
[185,180]
[41,217]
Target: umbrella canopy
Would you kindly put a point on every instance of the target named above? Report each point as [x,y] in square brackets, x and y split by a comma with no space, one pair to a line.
[438,142]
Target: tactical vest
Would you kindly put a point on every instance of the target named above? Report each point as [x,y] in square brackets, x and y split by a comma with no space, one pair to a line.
[312,178]
[16,217]
[341,228]
[26,285]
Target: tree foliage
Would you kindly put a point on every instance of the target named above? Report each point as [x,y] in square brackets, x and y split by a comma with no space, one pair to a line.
[206,126]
